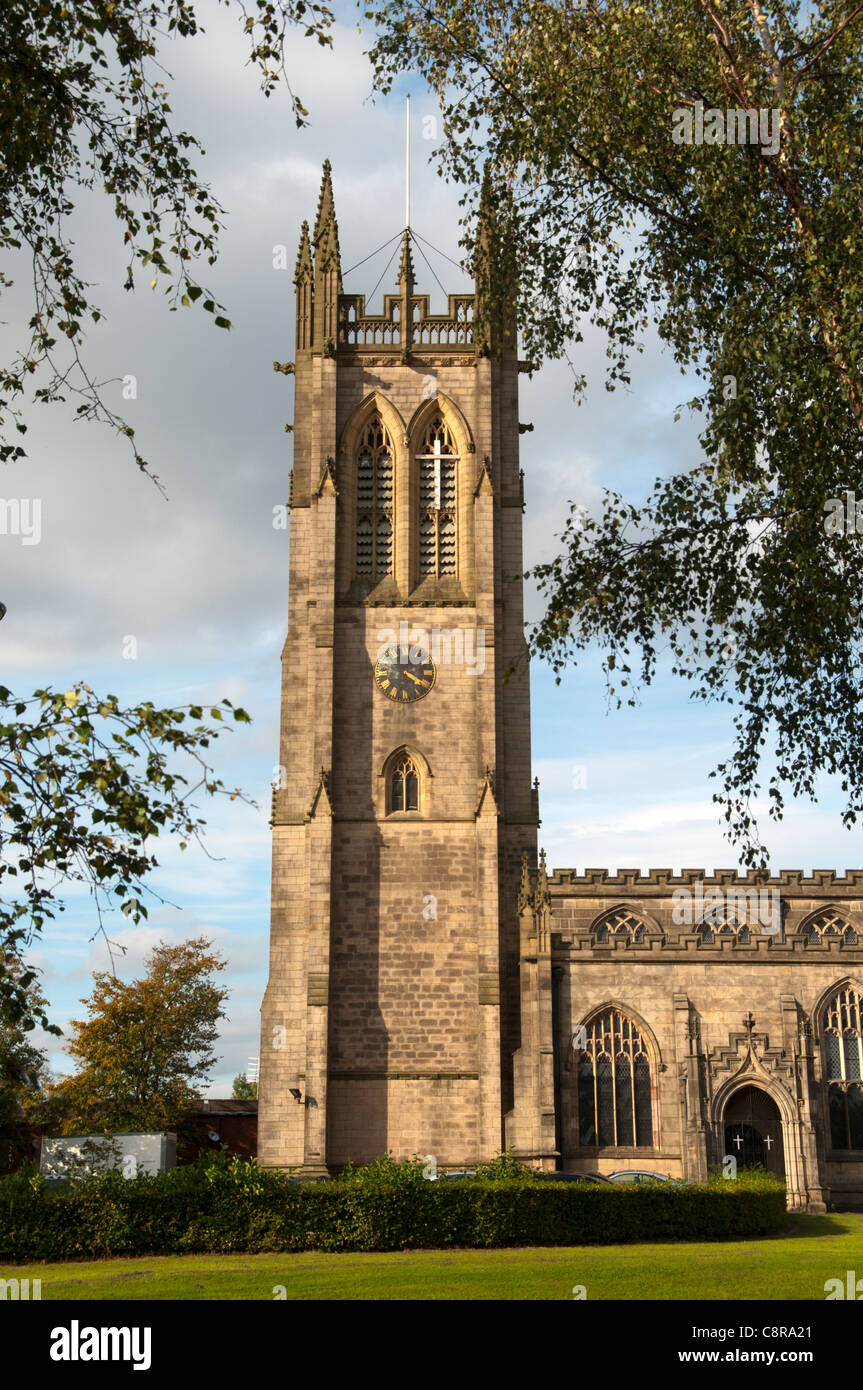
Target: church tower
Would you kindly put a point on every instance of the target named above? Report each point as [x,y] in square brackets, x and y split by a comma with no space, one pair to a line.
[404,805]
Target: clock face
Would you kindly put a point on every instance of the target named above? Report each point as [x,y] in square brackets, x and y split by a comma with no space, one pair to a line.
[404,680]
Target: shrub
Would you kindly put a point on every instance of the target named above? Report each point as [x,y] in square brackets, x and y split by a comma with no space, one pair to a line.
[385,1170]
[506,1165]
[755,1177]
[236,1206]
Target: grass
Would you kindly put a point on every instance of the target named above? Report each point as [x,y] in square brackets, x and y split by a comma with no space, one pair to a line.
[793,1266]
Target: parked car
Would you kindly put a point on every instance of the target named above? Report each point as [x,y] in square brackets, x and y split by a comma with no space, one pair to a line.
[573,1177]
[631,1176]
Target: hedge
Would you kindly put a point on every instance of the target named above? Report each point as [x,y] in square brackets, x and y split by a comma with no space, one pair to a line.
[239,1207]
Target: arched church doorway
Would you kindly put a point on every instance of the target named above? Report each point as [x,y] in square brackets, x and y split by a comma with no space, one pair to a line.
[753,1130]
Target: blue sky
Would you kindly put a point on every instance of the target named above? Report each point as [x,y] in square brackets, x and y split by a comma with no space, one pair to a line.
[201,579]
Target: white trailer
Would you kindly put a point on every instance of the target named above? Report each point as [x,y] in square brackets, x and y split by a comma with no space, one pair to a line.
[68,1154]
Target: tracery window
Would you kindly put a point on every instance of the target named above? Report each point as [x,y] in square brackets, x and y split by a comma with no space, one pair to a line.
[375,502]
[618,923]
[842,1044]
[614,1105]
[437,461]
[404,786]
[732,926]
[829,926]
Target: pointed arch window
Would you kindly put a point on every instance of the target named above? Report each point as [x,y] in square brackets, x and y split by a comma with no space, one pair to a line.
[404,785]
[614,1089]
[437,461]
[712,931]
[375,502]
[618,924]
[829,926]
[842,1051]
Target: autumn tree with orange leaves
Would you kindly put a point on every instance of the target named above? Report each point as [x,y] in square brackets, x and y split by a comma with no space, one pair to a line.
[146,1050]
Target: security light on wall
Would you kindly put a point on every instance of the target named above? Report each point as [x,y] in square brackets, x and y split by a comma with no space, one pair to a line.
[297,1095]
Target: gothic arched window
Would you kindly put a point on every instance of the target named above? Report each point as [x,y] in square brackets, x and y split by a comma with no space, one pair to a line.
[614,1103]
[375,502]
[842,1051]
[437,461]
[828,926]
[618,923]
[404,785]
[716,924]
[711,931]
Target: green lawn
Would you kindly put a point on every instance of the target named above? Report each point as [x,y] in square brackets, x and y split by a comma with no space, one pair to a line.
[795,1266]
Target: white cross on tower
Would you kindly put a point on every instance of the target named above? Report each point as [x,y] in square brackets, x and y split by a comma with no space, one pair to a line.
[769,1142]
[738,1139]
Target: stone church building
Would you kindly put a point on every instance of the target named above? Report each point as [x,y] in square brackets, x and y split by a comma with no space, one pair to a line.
[434,989]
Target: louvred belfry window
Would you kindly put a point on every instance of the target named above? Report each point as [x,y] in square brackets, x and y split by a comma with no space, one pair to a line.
[437,461]
[375,502]
[614,1104]
[842,1042]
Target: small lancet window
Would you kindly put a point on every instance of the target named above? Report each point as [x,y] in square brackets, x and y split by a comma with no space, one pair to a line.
[404,786]
[437,461]
[375,502]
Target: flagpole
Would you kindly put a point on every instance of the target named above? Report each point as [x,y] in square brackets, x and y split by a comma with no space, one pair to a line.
[407,162]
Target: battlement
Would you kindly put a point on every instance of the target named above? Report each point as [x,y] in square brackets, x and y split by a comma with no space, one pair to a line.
[561,881]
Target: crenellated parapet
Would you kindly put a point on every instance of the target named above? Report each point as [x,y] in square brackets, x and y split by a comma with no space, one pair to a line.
[721,915]
[820,881]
